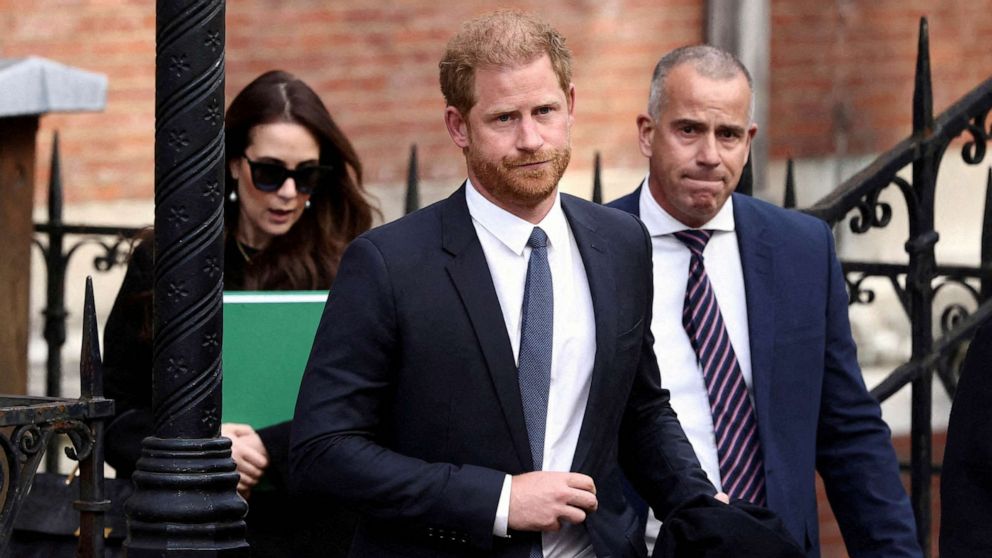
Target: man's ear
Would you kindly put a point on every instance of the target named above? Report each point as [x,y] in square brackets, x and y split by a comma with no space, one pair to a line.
[751,132]
[645,133]
[457,126]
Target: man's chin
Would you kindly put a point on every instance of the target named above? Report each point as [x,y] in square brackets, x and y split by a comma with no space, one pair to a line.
[707,201]
[529,193]
[702,214]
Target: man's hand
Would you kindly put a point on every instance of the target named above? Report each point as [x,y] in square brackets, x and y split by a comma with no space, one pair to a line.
[541,500]
[249,455]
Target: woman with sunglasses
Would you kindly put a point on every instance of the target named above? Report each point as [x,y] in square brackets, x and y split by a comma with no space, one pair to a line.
[294,200]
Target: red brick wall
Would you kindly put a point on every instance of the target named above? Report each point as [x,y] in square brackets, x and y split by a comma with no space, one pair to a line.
[105,155]
[375,67]
[842,72]
[841,77]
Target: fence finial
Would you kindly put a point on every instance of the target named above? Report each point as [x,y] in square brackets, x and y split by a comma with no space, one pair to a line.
[790,185]
[55,183]
[90,363]
[923,90]
[597,180]
[412,183]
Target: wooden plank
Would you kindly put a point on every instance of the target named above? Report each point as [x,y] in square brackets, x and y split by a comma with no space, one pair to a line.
[17,164]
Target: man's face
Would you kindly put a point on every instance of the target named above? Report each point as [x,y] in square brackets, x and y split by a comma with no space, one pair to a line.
[699,143]
[516,137]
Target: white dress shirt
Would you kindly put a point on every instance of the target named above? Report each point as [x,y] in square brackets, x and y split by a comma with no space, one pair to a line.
[680,371]
[504,241]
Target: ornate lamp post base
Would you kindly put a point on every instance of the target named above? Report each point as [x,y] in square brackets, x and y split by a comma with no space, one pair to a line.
[185,501]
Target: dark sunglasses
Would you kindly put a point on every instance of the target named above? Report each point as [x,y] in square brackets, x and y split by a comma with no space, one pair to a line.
[269,177]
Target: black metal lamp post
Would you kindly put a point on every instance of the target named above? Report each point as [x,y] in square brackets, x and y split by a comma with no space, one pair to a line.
[185,502]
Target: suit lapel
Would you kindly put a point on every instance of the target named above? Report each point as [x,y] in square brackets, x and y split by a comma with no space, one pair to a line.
[470,274]
[631,203]
[602,288]
[757,263]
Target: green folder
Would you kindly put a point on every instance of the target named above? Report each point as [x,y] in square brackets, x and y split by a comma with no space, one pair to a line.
[267,341]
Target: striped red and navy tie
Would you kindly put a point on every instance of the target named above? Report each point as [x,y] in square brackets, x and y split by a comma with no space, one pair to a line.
[736,429]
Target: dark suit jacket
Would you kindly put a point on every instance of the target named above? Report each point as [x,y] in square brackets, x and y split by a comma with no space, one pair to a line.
[966,481]
[410,406]
[814,412]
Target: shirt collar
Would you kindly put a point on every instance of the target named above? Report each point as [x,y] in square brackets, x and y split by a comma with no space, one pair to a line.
[659,222]
[511,230]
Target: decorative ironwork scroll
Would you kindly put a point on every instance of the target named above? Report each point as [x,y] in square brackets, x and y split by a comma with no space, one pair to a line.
[921,278]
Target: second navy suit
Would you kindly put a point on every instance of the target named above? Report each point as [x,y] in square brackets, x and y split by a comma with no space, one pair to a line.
[814,412]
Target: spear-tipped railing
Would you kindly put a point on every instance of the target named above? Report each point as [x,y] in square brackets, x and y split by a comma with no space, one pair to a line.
[921,278]
[28,424]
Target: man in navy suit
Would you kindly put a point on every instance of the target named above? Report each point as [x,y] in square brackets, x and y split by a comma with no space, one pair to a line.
[765,285]
[484,365]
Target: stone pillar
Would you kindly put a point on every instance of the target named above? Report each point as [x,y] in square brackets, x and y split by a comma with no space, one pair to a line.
[743,27]
[17,154]
[29,88]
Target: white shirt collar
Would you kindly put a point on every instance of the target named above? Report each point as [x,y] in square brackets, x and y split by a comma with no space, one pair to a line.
[510,230]
[659,222]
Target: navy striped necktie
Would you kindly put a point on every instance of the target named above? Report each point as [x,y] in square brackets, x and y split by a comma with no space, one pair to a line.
[735,426]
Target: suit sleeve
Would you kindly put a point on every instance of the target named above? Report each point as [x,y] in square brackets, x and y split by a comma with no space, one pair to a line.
[275,438]
[338,443]
[655,454]
[855,456]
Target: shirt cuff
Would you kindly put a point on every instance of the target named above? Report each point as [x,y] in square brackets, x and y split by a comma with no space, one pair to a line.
[500,526]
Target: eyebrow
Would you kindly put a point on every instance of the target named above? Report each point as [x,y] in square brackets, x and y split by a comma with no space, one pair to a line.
[550,103]
[739,130]
[690,122]
[678,123]
[497,110]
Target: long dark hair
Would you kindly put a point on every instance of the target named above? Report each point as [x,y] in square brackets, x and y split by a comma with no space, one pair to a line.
[307,256]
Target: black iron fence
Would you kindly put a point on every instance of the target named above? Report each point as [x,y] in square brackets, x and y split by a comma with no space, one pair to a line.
[915,283]
[113,240]
[28,424]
